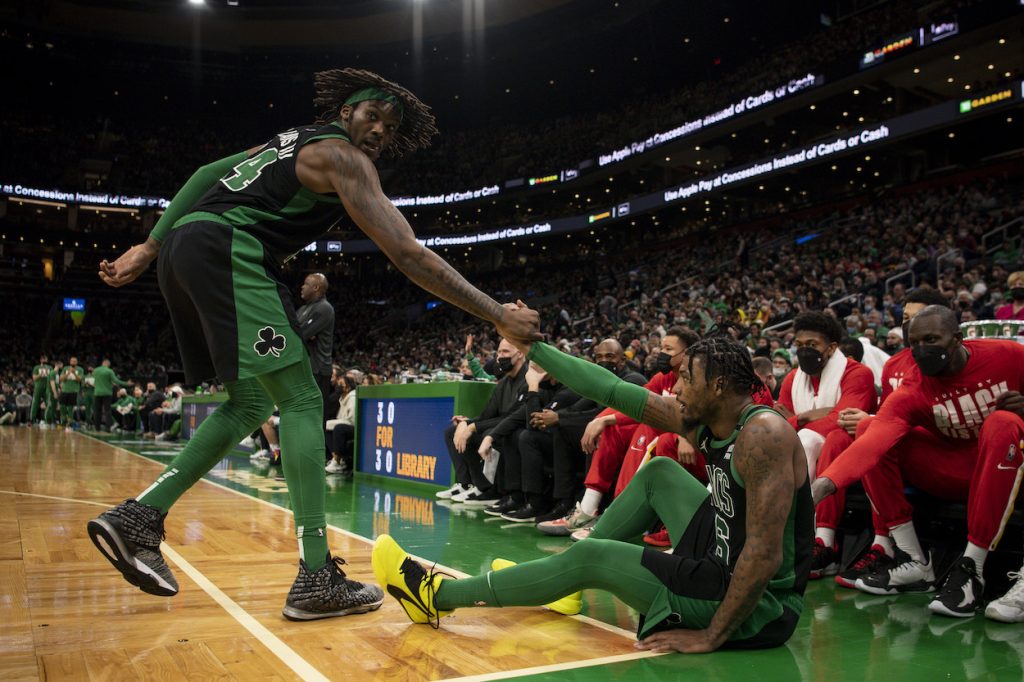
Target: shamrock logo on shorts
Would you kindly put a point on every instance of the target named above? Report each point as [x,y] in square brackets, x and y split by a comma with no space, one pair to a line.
[270,342]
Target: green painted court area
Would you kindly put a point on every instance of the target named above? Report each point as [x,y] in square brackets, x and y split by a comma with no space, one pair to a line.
[843,634]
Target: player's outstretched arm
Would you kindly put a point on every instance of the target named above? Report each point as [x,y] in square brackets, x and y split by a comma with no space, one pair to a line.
[764,457]
[335,165]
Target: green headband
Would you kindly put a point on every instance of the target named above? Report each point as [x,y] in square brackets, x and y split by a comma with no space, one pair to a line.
[379,95]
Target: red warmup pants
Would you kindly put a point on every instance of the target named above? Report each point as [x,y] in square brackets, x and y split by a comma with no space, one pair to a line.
[607,459]
[622,450]
[829,511]
[986,474]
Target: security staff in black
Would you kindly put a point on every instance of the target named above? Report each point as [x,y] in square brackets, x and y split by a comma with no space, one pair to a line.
[221,243]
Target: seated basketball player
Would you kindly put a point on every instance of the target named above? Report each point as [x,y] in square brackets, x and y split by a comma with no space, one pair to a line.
[737,575]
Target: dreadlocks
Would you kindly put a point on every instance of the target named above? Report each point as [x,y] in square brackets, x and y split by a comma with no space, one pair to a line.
[335,86]
[726,358]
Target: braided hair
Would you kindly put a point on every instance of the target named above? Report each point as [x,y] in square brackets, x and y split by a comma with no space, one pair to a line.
[334,86]
[728,359]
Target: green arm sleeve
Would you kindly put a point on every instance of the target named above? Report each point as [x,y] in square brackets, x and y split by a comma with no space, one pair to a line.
[591,381]
[477,369]
[192,191]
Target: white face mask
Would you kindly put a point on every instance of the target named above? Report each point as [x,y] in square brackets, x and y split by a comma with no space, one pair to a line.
[779,372]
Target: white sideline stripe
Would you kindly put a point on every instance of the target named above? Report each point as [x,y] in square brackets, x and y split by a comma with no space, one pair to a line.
[285,653]
[629,634]
[556,667]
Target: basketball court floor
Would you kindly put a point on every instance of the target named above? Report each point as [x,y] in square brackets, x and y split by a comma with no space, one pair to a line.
[66,614]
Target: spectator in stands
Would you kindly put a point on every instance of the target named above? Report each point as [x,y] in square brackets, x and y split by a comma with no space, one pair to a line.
[523,479]
[824,383]
[23,403]
[341,428]
[465,435]
[476,370]
[161,419]
[964,447]
[152,399]
[1014,310]
[8,410]
[782,364]
[567,423]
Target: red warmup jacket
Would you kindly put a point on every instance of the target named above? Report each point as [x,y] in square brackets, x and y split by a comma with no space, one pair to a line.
[951,408]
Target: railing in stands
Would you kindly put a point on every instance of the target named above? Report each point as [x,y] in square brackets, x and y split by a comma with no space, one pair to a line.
[988,243]
[948,256]
[901,277]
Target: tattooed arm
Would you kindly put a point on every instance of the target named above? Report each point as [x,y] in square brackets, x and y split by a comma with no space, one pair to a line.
[764,458]
[333,165]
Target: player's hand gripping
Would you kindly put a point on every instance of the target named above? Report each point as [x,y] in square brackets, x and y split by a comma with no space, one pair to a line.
[519,325]
[130,264]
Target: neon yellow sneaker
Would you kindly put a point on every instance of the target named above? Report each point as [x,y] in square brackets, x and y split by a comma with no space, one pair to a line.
[407,581]
[569,605]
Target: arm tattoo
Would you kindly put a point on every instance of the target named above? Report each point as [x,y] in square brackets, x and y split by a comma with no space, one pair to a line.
[388,228]
[764,459]
[663,413]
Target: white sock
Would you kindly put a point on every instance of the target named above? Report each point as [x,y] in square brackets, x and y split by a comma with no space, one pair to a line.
[591,502]
[978,554]
[826,535]
[906,539]
[885,542]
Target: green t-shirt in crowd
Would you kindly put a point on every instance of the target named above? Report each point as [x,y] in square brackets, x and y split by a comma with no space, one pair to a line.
[105,380]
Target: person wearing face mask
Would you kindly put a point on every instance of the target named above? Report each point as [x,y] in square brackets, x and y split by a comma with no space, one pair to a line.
[610,435]
[465,436]
[955,431]
[825,383]
[782,365]
[853,422]
[1014,310]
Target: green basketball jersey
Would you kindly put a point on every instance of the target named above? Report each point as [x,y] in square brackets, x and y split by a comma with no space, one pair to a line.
[729,498]
[263,196]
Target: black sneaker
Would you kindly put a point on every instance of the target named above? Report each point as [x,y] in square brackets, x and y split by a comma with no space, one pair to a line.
[872,560]
[561,509]
[326,593]
[525,514]
[824,560]
[481,498]
[505,504]
[960,596]
[906,574]
[129,537]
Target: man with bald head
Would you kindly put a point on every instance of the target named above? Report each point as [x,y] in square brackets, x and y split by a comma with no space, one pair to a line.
[316,327]
[954,429]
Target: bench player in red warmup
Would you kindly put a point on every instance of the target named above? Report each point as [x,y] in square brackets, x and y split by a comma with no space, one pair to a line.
[954,429]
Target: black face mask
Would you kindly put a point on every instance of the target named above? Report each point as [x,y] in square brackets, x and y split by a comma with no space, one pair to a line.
[1017,293]
[811,361]
[664,363]
[610,366]
[502,367]
[932,360]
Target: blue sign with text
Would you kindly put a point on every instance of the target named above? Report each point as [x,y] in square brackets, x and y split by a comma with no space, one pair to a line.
[404,438]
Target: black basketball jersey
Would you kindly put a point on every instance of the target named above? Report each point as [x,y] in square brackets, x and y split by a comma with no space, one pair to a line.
[263,197]
[729,499]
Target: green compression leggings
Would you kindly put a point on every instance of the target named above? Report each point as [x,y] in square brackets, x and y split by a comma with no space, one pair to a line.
[250,402]
[661,488]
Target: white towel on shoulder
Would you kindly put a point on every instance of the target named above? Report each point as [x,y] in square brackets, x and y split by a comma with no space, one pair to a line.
[829,390]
